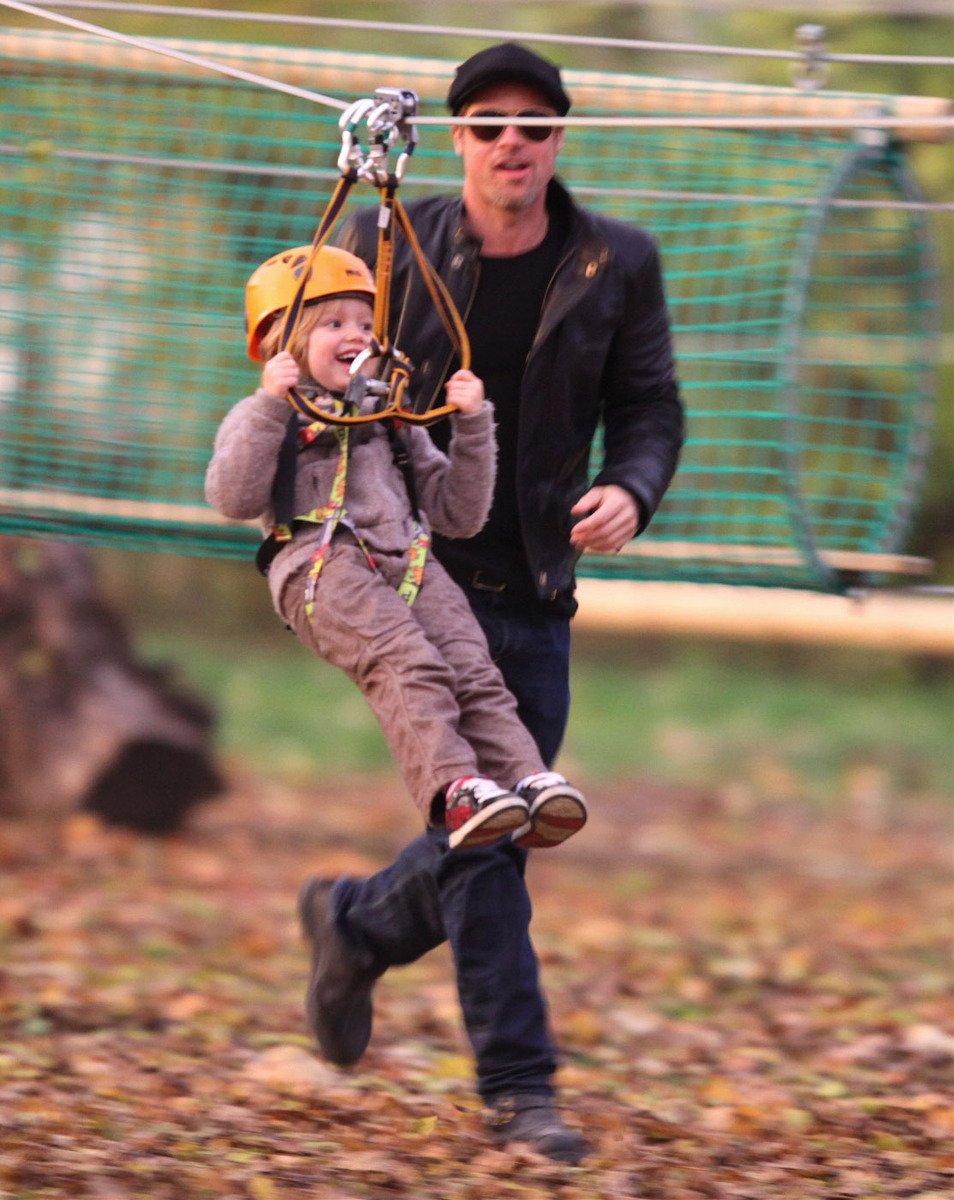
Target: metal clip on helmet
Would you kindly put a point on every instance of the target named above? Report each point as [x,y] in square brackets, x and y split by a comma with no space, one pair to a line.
[273,286]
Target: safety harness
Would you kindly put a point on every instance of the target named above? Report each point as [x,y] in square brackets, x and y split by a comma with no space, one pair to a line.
[334,513]
[386,116]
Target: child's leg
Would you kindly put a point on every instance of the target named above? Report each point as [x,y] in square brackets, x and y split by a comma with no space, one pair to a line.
[488,719]
[362,626]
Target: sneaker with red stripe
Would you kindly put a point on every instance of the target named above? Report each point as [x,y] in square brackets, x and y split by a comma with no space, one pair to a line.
[480,812]
[557,810]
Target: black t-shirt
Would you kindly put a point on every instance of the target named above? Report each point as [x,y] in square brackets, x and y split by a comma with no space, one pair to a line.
[501,325]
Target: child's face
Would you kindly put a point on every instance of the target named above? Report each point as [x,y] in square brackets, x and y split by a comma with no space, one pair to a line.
[342,330]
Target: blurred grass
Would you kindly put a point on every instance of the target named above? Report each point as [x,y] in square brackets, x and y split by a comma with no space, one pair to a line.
[760,721]
[780,720]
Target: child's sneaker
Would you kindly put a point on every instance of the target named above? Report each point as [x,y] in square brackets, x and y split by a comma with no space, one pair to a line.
[479,812]
[557,810]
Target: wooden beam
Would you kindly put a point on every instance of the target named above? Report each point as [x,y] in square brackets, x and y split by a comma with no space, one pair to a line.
[878,620]
[777,556]
[33,500]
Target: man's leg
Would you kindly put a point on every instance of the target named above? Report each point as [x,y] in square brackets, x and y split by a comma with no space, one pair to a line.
[476,899]
[532,650]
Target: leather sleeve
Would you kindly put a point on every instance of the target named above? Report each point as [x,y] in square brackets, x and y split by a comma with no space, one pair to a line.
[642,412]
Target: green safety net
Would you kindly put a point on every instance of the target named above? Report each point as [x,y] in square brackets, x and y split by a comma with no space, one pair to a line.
[137,196]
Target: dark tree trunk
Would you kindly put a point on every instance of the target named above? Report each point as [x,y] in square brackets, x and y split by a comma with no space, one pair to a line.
[83,725]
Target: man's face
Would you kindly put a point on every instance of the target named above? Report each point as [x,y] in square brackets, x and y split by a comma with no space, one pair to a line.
[510,172]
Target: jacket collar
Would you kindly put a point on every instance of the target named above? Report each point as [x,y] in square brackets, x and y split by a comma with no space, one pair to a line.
[582,231]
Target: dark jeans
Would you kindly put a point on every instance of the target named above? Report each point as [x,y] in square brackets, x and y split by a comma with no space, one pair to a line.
[478,899]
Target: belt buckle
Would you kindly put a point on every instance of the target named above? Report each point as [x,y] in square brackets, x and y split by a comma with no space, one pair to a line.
[483,585]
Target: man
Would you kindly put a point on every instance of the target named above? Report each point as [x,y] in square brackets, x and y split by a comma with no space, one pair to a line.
[568,327]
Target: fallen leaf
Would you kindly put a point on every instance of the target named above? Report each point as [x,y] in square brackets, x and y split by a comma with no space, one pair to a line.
[291,1069]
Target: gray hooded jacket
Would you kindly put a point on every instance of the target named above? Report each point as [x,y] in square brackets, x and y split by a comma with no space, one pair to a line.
[454,491]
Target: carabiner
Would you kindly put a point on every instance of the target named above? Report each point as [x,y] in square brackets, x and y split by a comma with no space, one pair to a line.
[351,156]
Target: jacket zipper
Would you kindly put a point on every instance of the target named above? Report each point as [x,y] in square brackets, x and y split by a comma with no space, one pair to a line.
[464,314]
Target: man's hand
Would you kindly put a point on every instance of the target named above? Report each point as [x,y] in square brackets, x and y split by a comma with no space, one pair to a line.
[609,517]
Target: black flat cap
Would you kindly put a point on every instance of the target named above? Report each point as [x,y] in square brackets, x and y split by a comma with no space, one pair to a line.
[504,63]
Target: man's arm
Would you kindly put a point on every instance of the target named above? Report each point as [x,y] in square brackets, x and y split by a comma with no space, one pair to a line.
[642,412]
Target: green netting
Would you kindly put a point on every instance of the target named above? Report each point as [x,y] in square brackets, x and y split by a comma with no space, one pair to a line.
[135,201]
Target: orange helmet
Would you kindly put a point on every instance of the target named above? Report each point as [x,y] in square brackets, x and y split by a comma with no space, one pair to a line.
[273,285]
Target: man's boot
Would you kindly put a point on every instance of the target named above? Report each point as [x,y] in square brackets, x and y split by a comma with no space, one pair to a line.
[529,1119]
[338,999]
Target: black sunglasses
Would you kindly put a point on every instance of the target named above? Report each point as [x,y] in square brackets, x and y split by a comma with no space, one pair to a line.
[490,133]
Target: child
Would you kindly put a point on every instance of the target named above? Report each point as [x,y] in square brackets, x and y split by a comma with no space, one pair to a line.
[352,580]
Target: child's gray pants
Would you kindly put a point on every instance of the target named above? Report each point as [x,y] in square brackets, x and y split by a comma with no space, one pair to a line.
[424,669]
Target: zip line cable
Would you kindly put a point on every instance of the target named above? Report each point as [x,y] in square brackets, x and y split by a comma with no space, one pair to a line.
[493,34]
[872,122]
[169,52]
[311,174]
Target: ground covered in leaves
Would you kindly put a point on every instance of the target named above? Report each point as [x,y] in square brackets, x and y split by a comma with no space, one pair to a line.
[752,997]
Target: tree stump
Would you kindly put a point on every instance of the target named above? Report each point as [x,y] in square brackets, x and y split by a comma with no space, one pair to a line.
[83,725]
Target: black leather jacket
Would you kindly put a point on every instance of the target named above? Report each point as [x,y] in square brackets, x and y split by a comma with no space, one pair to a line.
[602,352]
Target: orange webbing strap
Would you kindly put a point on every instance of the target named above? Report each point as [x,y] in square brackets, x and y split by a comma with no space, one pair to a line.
[443,301]
[332,212]
[385,264]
